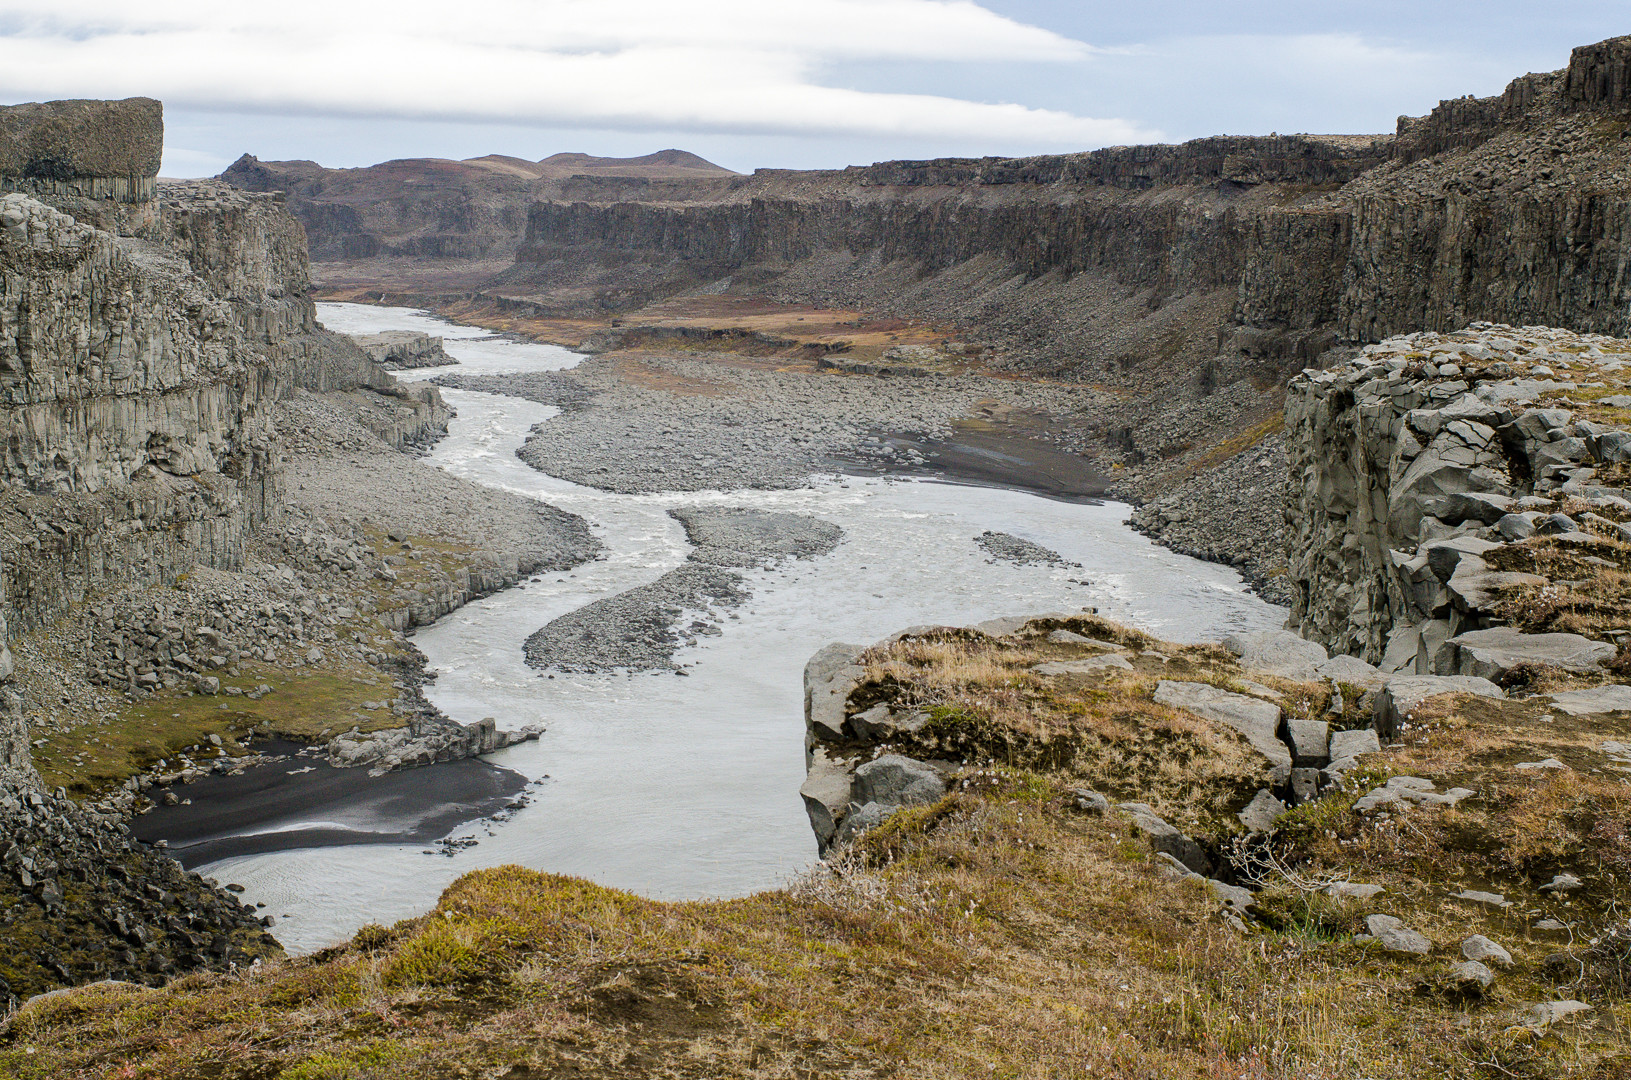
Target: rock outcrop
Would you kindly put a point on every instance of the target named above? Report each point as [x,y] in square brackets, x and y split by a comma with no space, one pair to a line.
[396,349]
[148,332]
[1427,475]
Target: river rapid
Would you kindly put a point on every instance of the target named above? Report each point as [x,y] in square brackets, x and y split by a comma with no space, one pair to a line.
[686,786]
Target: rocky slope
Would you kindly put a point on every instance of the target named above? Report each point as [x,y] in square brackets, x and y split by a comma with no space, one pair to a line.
[160,365]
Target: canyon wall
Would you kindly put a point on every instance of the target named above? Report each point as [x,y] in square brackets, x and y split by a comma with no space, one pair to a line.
[146,331]
[1514,208]
[1416,467]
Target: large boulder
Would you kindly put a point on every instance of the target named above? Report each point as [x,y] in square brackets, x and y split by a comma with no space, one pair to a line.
[826,792]
[1256,719]
[828,679]
[1476,587]
[1353,671]
[1277,652]
[1489,653]
[1403,693]
[896,781]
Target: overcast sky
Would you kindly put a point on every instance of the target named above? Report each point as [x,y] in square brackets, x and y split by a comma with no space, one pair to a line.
[784,83]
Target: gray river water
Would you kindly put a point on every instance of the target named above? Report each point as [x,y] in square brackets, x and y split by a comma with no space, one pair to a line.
[684,787]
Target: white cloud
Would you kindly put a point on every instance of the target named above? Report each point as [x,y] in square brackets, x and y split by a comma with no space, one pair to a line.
[698,65]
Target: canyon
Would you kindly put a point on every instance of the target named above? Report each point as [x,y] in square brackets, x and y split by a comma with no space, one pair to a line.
[1192,280]
[1387,377]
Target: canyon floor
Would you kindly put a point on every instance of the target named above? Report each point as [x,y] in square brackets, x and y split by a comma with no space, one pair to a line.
[916,398]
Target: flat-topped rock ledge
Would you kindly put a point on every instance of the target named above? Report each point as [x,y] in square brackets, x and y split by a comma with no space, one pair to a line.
[399,349]
[875,748]
[1300,758]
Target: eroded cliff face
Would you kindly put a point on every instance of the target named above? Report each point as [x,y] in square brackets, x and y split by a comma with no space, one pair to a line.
[146,333]
[1512,208]
[1418,471]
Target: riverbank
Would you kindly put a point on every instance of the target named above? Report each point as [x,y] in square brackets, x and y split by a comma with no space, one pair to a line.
[1017,924]
[296,798]
[646,422]
[309,641]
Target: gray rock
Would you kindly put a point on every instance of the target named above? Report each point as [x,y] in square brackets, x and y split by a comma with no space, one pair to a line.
[1488,899]
[861,818]
[1262,812]
[895,781]
[1310,742]
[1488,653]
[1475,587]
[1090,802]
[1613,698]
[1472,973]
[882,723]
[1349,890]
[1170,869]
[1305,785]
[1482,949]
[826,792]
[1395,937]
[1165,837]
[1548,1013]
[1350,744]
[1233,897]
[829,677]
[1353,671]
[1563,883]
[1257,720]
[1403,693]
[1277,652]
[1515,527]
[1478,506]
[1091,665]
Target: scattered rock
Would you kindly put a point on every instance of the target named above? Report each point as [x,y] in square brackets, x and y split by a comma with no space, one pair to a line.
[1394,936]
[1482,949]
[1257,720]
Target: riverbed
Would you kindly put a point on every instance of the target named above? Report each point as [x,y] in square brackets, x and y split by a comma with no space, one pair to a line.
[686,785]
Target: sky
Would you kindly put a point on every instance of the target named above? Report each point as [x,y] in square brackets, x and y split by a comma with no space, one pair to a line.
[768,83]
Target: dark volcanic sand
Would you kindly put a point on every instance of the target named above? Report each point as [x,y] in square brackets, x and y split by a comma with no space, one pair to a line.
[993,459]
[276,808]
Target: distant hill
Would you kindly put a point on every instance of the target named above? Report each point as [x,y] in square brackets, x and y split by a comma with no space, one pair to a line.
[438,208]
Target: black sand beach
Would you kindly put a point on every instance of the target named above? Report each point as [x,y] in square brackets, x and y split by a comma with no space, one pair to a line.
[301,801]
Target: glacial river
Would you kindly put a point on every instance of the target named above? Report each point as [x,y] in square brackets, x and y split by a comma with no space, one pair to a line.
[687,786]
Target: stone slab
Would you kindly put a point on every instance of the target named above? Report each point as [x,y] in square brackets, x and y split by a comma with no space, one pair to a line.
[1256,719]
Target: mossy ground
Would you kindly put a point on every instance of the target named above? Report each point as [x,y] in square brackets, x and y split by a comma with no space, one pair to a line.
[1000,932]
[309,702]
[304,706]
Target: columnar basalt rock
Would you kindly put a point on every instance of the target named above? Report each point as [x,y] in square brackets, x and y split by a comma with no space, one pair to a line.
[149,335]
[99,157]
[1416,465]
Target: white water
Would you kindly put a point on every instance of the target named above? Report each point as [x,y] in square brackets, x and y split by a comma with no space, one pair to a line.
[688,786]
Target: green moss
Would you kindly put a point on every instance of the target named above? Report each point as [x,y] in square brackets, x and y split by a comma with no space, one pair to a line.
[360,1063]
[93,759]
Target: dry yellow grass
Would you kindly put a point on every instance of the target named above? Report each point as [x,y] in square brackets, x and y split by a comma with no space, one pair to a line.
[1000,932]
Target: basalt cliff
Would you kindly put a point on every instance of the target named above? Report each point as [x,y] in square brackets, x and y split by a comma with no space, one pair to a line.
[1192,279]
[148,333]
